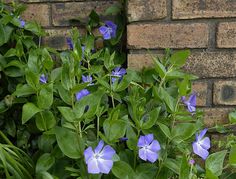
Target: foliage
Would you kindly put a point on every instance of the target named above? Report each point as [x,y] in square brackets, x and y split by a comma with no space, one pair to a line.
[59,107]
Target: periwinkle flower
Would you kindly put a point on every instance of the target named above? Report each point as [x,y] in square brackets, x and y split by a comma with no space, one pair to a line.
[123,139]
[99,160]
[87,79]
[201,145]
[191,162]
[108,30]
[82,93]
[148,148]
[69,43]
[22,23]
[118,72]
[190,103]
[43,78]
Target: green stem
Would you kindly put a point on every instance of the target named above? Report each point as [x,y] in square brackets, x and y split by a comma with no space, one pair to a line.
[5,138]
[98,120]
[80,131]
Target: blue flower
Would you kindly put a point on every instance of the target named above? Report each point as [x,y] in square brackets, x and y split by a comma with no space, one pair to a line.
[43,78]
[82,93]
[99,160]
[87,79]
[22,23]
[201,145]
[118,72]
[69,43]
[148,148]
[108,30]
[190,103]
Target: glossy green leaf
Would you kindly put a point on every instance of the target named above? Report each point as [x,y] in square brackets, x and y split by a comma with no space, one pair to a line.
[122,170]
[164,129]
[29,110]
[179,58]
[45,162]
[67,113]
[184,169]
[23,90]
[45,97]
[159,68]
[45,120]
[232,117]
[232,156]
[152,118]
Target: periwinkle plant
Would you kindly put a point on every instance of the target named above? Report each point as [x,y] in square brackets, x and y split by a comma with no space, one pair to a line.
[90,117]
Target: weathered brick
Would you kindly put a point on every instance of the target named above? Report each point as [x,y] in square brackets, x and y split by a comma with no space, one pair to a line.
[201,89]
[193,35]
[203,64]
[39,13]
[225,92]
[226,35]
[203,9]
[56,38]
[62,13]
[146,10]
[213,116]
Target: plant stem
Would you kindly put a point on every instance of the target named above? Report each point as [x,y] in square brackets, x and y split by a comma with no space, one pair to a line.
[98,120]
[80,131]
[5,138]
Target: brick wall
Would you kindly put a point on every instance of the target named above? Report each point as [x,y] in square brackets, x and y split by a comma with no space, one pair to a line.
[55,16]
[208,28]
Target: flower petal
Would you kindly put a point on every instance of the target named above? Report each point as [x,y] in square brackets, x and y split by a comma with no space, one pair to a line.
[148,138]
[197,149]
[201,134]
[81,94]
[154,146]
[93,166]
[105,166]
[151,156]
[192,99]
[141,141]
[111,25]
[191,108]
[142,153]
[205,143]
[88,154]
[103,30]
[99,147]
[122,71]
[107,152]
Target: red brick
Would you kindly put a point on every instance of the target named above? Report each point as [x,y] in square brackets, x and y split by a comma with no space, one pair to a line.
[203,64]
[201,89]
[203,9]
[39,13]
[152,35]
[62,13]
[146,10]
[213,116]
[226,35]
[225,92]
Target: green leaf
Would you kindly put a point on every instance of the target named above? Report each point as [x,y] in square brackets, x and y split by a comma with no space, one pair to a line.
[184,131]
[44,175]
[113,10]
[184,169]
[67,113]
[45,120]
[65,76]
[232,117]
[214,163]
[29,110]
[168,99]
[45,97]
[64,94]
[173,165]
[159,68]
[122,170]
[232,156]
[145,170]
[47,59]
[23,90]
[152,118]
[179,58]
[164,129]
[44,162]
[69,142]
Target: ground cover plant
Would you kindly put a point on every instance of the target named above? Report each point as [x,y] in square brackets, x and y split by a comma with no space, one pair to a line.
[82,114]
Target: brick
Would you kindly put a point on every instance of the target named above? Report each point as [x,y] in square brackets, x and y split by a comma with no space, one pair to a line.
[39,13]
[56,38]
[62,13]
[153,36]
[146,10]
[226,35]
[213,116]
[201,89]
[184,9]
[224,92]
[203,64]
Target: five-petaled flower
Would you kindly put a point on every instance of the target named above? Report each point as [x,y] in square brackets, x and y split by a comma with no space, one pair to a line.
[82,93]
[190,103]
[99,160]
[43,78]
[118,72]
[201,145]
[87,79]
[148,148]
[108,30]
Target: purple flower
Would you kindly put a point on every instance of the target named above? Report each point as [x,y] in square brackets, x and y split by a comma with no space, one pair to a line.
[99,160]
[82,93]
[201,145]
[87,79]
[191,162]
[123,139]
[118,72]
[43,79]
[190,103]
[22,23]
[148,148]
[69,43]
[108,30]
